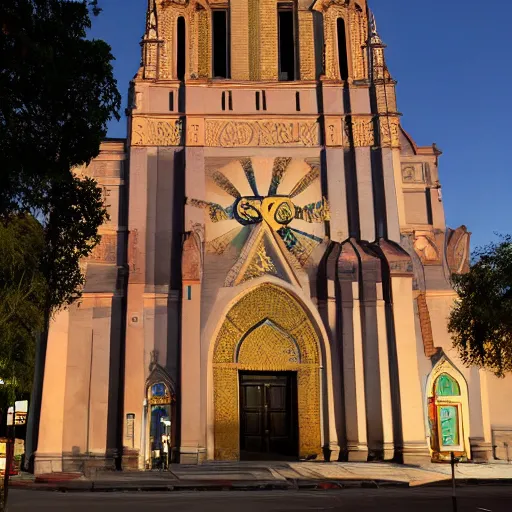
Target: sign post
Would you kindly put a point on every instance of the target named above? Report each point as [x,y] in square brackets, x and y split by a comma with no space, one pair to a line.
[454,495]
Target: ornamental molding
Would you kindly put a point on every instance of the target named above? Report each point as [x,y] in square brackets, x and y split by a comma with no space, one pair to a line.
[147,131]
[235,133]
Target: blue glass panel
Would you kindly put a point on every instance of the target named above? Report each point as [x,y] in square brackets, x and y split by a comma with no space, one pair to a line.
[158,389]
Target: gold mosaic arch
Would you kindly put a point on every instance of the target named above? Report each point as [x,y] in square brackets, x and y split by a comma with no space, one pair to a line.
[257,335]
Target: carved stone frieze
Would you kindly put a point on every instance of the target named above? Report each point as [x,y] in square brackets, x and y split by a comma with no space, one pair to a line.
[235,133]
[386,98]
[148,131]
[363,131]
[389,131]
[334,131]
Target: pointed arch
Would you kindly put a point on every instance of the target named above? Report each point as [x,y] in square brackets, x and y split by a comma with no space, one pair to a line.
[447,415]
[160,419]
[274,310]
[159,374]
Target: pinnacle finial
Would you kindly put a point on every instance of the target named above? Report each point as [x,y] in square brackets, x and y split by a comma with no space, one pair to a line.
[374,34]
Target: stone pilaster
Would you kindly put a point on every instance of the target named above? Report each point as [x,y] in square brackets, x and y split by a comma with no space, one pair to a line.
[353,364]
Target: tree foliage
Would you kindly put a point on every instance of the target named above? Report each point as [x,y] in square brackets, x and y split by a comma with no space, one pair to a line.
[23,291]
[57,93]
[481,321]
[70,235]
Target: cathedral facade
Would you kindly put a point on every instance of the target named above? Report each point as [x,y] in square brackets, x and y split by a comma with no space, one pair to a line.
[274,279]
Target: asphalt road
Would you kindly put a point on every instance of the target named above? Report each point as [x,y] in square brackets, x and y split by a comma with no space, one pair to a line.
[471,499]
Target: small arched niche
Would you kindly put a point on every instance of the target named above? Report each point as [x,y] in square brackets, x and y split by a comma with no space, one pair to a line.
[448,412]
[160,421]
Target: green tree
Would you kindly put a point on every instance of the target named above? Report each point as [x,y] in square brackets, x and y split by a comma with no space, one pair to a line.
[23,291]
[481,320]
[57,94]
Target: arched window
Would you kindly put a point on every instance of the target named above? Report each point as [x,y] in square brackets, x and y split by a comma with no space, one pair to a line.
[448,413]
[159,419]
[180,49]
[342,48]
[447,386]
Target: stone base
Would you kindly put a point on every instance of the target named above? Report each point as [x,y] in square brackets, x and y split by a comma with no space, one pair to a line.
[331,452]
[192,455]
[87,464]
[357,452]
[389,451]
[481,451]
[415,454]
[130,460]
[47,463]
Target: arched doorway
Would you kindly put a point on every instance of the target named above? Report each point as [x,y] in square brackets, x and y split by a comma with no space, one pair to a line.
[160,427]
[448,412]
[266,379]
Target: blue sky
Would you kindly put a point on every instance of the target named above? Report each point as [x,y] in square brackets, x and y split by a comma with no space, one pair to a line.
[452,63]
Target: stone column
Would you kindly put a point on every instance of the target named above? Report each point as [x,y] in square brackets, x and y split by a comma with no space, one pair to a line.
[134,341]
[385,383]
[48,458]
[193,433]
[479,416]
[365,193]
[353,366]
[375,353]
[411,408]
[390,161]
[337,194]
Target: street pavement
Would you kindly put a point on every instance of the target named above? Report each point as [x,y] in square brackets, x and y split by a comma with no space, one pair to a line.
[482,498]
[268,475]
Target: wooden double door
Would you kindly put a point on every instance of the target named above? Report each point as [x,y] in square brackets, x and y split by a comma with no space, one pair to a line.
[268,416]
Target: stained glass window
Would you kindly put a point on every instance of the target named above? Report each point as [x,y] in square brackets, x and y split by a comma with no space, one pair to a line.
[448,416]
[447,386]
[158,389]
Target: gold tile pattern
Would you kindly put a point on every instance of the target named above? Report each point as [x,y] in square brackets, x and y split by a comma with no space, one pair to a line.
[306,45]
[254,40]
[203,43]
[268,51]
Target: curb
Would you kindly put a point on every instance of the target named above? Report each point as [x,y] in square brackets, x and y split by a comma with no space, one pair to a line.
[470,482]
[217,485]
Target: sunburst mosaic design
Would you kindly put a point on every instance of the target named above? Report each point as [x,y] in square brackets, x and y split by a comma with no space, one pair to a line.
[276,209]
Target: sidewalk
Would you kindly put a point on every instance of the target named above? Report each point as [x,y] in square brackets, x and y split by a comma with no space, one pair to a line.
[280,476]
